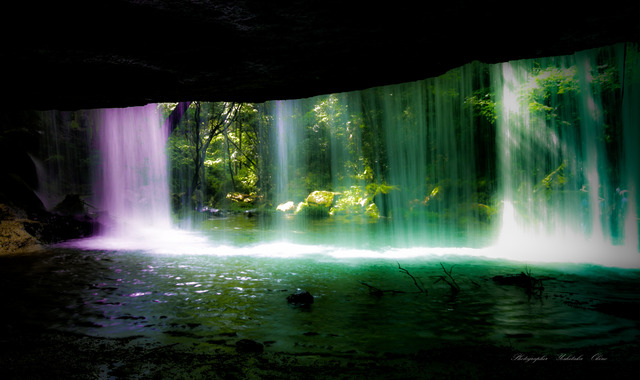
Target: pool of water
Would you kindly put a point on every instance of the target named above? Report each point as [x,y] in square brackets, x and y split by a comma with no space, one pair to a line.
[214,294]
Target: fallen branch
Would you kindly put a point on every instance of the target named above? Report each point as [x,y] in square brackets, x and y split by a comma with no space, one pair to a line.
[455,288]
[420,286]
[533,286]
[379,292]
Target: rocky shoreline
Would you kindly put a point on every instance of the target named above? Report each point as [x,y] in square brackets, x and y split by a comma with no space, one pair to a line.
[23,231]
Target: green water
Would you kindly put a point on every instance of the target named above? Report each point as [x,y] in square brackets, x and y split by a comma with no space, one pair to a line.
[362,233]
[230,293]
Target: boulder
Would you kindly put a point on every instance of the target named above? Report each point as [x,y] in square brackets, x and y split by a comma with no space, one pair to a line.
[300,298]
[71,205]
[26,232]
[14,237]
[321,198]
[287,207]
[311,210]
[317,204]
[241,198]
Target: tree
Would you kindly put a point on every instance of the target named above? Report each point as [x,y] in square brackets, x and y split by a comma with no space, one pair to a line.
[191,141]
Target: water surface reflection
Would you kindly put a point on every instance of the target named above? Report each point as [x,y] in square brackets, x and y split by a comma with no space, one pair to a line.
[213,300]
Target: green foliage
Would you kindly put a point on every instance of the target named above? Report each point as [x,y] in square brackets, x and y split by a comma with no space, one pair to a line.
[317,204]
[311,210]
[348,143]
[483,104]
[606,78]
[349,202]
[375,189]
[556,179]
[547,86]
[555,80]
[372,211]
[214,151]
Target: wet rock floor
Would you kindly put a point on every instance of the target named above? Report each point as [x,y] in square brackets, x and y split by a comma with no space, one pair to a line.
[29,354]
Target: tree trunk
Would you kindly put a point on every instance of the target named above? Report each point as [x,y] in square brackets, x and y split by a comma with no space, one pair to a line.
[229,163]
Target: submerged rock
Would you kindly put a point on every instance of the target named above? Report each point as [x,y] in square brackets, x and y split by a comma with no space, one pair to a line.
[248,346]
[622,309]
[301,298]
[526,281]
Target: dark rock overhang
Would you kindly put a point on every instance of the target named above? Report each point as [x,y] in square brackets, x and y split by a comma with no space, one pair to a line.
[95,54]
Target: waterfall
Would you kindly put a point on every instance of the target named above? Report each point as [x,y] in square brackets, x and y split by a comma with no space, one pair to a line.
[566,169]
[531,159]
[131,181]
[408,149]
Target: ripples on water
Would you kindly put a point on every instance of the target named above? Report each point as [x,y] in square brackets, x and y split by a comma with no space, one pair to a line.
[214,299]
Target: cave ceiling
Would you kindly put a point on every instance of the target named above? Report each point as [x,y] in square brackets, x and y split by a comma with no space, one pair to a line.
[96,54]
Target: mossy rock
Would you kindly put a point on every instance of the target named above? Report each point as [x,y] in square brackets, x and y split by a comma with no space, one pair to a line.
[317,205]
[287,207]
[312,210]
[321,198]
[350,202]
[241,198]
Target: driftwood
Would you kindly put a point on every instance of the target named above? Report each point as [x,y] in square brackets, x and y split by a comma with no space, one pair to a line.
[379,292]
[448,278]
[420,286]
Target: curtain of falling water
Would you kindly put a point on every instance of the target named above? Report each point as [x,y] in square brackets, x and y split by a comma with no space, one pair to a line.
[563,154]
[410,145]
[566,165]
[629,65]
[131,182]
[558,136]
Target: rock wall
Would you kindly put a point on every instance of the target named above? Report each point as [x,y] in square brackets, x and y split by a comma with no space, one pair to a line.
[97,54]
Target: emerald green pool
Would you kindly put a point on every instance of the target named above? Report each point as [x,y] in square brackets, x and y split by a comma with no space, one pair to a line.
[211,293]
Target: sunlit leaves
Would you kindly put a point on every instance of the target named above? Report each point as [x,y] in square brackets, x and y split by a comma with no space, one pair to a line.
[483,104]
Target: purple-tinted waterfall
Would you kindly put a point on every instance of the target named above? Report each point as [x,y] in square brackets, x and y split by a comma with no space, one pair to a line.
[131,183]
